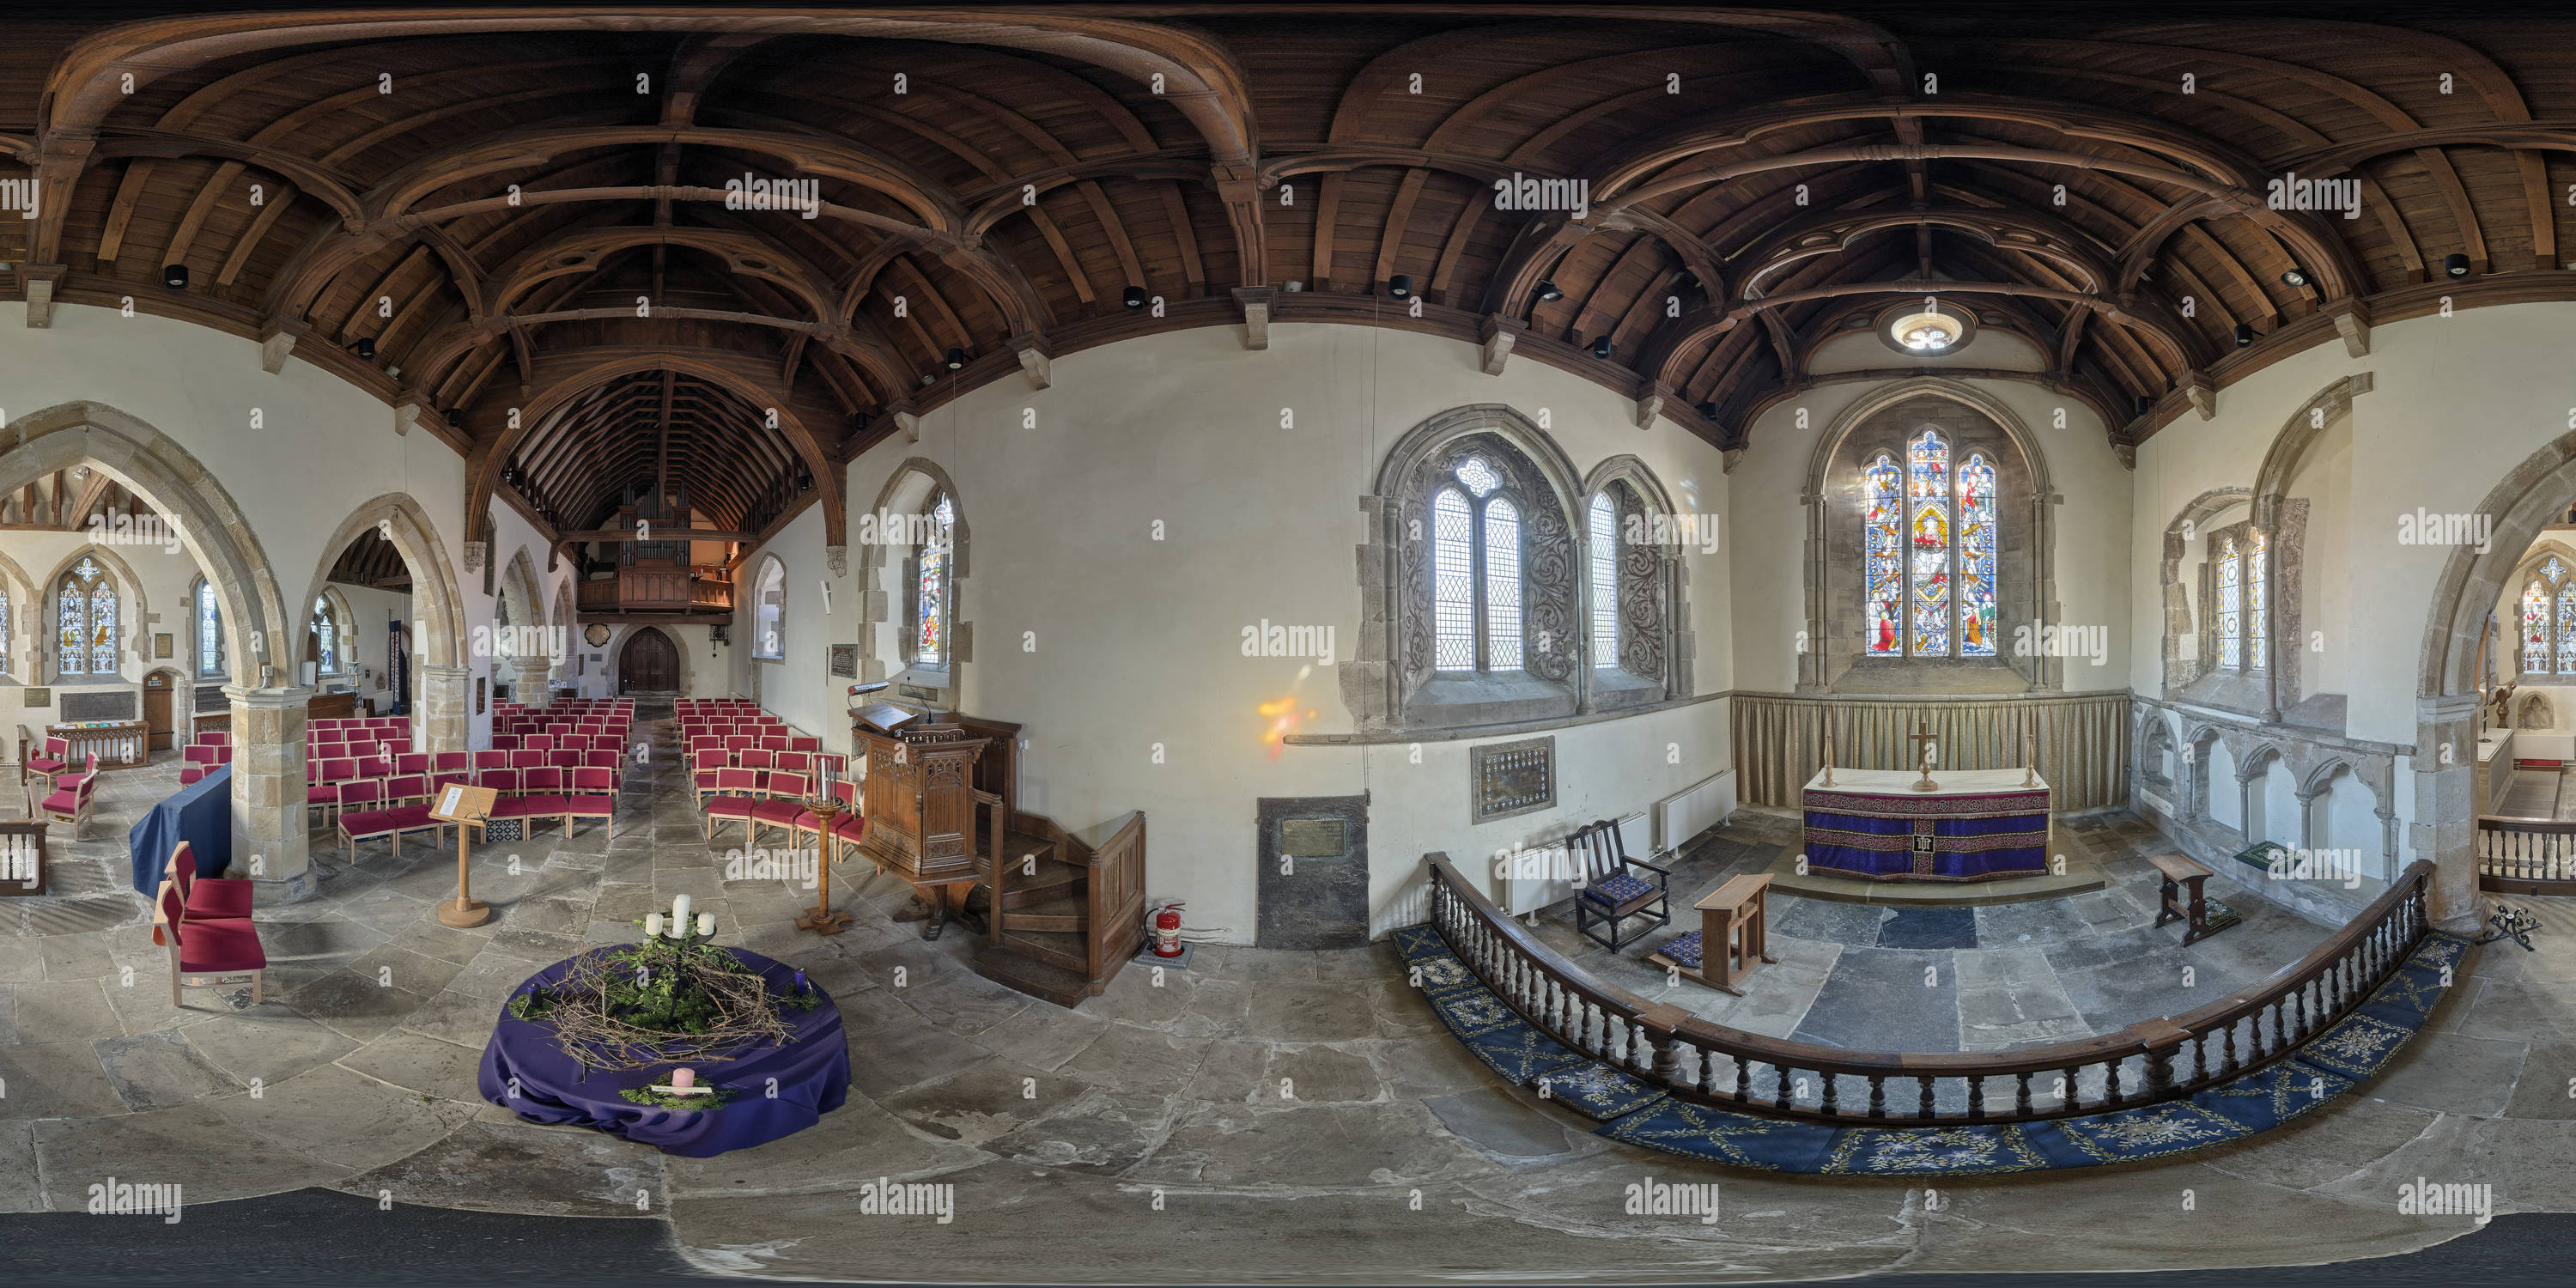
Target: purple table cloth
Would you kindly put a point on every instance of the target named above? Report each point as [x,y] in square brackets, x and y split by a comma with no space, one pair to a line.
[812,1073]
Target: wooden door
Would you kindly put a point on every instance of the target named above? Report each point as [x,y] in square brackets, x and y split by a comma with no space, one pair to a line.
[156,708]
[649,663]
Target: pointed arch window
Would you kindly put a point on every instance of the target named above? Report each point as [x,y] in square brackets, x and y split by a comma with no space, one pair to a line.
[1476,572]
[931,593]
[769,612]
[1601,529]
[2231,606]
[4,630]
[1928,549]
[330,639]
[2256,603]
[2549,619]
[86,605]
[210,630]
[2244,601]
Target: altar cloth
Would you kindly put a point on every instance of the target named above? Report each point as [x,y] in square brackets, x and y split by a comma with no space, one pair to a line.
[1980,824]
[812,1074]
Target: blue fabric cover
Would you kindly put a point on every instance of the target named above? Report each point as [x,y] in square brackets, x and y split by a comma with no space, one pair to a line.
[813,1073]
[1617,888]
[200,814]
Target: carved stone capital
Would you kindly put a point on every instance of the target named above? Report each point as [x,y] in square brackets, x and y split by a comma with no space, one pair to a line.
[475,553]
[837,558]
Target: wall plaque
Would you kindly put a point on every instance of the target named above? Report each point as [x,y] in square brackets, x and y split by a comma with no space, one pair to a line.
[482,691]
[1314,838]
[1510,778]
[99,704]
[39,697]
[845,660]
[161,644]
[210,697]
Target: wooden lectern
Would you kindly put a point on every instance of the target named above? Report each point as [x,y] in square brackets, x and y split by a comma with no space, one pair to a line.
[920,804]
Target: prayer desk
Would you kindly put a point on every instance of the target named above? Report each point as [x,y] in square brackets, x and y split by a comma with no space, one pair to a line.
[2183,900]
[1733,935]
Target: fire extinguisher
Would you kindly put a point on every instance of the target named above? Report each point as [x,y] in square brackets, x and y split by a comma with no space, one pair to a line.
[1167,930]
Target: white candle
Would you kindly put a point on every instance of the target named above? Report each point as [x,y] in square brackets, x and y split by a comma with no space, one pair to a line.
[707,923]
[679,916]
[653,925]
[683,1079]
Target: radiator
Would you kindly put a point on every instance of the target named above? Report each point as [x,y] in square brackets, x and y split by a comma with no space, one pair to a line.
[1541,875]
[1693,810]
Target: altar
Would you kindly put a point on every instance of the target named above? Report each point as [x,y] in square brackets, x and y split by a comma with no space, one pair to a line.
[1977,825]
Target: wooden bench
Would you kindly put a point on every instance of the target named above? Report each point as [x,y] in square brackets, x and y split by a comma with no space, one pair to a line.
[2182,899]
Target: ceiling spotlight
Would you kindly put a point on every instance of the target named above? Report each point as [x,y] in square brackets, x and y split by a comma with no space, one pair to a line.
[175,276]
[956,359]
[2294,278]
[804,481]
[859,422]
[2244,334]
[364,347]
[1400,286]
[1601,347]
[455,418]
[2145,403]
[1135,297]
[1708,411]
[2456,265]
[1547,292]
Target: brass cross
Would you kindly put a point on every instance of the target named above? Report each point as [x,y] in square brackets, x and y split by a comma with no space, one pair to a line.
[1922,737]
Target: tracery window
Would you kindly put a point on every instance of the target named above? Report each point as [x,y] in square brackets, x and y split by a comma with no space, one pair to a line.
[86,606]
[930,590]
[1929,553]
[2231,606]
[330,639]
[1601,529]
[4,630]
[2243,603]
[1476,572]
[2549,620]
[210,631]
[769,611]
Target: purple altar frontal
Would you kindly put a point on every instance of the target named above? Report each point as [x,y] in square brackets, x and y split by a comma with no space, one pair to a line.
[776,1090]
[1979,825]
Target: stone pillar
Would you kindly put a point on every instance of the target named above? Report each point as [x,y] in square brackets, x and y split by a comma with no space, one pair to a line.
[442,697]
[268,793]
[2445,828]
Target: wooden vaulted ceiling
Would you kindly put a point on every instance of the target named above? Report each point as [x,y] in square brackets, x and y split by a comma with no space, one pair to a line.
[524,210]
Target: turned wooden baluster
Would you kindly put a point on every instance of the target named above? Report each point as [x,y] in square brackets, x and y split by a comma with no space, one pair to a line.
[1926,1099]
[1828,1103]
[1877,1096]
[1781,1098]
[1976,1095]
[2021,1094]
[2074,1097]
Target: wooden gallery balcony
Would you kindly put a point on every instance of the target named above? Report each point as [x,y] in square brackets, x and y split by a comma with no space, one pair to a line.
[662,592]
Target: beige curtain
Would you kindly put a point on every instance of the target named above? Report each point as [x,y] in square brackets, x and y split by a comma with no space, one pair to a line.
[2083,741]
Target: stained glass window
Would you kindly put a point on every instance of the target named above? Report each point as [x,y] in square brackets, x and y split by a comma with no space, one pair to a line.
[2231,618]
[2256,655]
[2535,628]
[87,606]
[1976,558]
[1884,557]
[326,637]
[210,631]
[931,605]
[1602,522]
[2567,630]
[1453,584]
[4,632]
[1502,585]
[1928,489]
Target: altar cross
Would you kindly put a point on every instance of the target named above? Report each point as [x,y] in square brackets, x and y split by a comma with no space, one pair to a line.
[1921,738]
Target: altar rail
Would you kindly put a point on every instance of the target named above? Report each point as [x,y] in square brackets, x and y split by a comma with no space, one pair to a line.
[120,746]
[2150,1061]
[2526,855]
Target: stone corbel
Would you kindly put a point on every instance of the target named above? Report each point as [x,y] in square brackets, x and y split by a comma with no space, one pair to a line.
[1256,302]
[2352,322]
[475,553]
[41,280]
[1034,359]
[405,413]
[275,342]
[837,558]
[1651,404]
[907,419]
[2203,395]
[1499,334]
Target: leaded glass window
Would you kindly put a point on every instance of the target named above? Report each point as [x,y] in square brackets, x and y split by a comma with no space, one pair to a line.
[327,641]
[2549,620]
[1601,525]
[86,604]
[2231,614]
[2535,628]
[2256,657]
[4,631]
[210,632]
[2567,630]
[1475,572]
[1928,491]
[1884,557]
[930,603]
[769,611]
[1977,615]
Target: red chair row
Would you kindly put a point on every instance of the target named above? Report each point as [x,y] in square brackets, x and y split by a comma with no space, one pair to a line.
[554,742]
[786,809]
[200,760]
[209,930]
[70,798]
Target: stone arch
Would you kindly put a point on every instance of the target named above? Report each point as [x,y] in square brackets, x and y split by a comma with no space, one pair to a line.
[762,566]
[2036,603]
[211,526]
[2298,434]
[345,615]
[2156,737]
[1653,578]
[2535,712]
[907,491]
[26,607]
[440,685]
[521,588]
[2179,620]
[134,612]
[614,651]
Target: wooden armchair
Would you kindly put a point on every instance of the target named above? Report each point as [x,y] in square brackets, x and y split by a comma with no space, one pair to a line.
[1616,888]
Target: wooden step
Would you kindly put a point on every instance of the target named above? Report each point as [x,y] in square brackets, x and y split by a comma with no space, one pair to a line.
[1053,881]
[1069,912]
[1031,976]
[1065,948]
[1016,845]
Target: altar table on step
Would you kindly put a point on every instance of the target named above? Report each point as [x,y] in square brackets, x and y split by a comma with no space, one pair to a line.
[1978,825]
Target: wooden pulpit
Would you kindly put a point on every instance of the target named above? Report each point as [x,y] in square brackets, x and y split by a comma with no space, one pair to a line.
[920,804]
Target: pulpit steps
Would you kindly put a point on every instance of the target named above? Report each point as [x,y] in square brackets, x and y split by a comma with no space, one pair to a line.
[1065,917]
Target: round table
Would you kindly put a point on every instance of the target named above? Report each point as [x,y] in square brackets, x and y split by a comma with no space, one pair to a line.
[812,1075]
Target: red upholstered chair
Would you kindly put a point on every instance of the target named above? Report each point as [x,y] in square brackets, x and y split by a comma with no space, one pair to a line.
[525,759]
[735,789]
[216,738]
[496,758]
[204,952]
[375,767]
[88,769]
[413,762]
[361,794]
[206,896]
[795,762]
[506,741]
[565,758]
[804,744]
[738,742]
[541,795]
[594,795]
[445,761]
[406,789]
[786,801]
[190,775]
[73,804]
[504,781]
[756,759]
[704,742]
[537,742]
[774,742]
[703,768]
[558,726]
[397,745]
[202,755]
[849,826]
[543,780]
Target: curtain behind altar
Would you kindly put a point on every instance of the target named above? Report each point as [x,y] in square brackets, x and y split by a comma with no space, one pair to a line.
[2083,741]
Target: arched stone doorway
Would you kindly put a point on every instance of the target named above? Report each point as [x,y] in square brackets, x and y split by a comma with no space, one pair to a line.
[649,661]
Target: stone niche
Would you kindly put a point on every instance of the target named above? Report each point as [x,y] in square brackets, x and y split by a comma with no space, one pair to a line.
[99,704]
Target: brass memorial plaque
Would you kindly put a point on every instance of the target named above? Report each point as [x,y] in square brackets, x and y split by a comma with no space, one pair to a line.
[1314,838]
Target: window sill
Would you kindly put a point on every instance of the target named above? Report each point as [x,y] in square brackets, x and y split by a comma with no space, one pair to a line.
[1469,733]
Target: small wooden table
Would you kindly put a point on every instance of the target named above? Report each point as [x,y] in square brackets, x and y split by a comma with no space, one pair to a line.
[2183,900]
[1733,935]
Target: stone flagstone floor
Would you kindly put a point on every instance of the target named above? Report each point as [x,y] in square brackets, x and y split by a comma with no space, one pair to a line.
[1150,1134]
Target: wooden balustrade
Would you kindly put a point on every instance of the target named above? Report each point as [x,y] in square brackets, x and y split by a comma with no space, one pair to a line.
[2526,855]
[2150,1061]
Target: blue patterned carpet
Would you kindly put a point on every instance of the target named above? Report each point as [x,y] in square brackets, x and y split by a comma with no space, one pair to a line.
[1634,1111]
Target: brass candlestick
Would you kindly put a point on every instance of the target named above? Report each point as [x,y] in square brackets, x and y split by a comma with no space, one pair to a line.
[1829,761]
[1927,785]
[823,920]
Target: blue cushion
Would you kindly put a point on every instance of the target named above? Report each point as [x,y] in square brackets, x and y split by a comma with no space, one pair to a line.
[1617,889]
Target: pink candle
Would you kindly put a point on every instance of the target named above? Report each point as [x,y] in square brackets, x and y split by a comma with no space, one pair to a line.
[683,1079]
